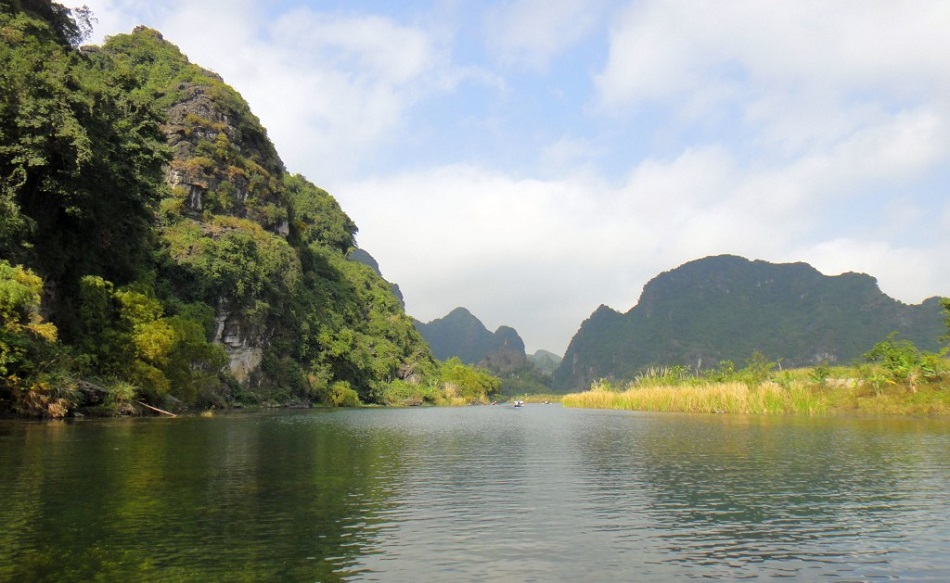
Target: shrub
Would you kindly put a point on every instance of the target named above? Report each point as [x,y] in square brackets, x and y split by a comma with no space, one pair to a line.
[899,360]
[341,395]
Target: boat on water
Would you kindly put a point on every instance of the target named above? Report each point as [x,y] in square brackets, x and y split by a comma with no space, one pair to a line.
[519,403]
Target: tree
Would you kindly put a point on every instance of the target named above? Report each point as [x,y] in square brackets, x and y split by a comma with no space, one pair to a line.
[468,382]
[22,331]
[71,25]
[81,159]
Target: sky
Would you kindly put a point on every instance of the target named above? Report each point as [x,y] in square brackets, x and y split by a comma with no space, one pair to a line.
[531,160]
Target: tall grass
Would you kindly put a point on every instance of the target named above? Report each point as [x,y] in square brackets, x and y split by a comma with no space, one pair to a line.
[897,379]
[725,397]
[791,396]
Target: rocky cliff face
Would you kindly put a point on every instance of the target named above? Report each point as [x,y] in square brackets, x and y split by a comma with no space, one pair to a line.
[245,350]
[220,167]
[546,362]
[508,354]
[224,164]
[726,308]
[212,185]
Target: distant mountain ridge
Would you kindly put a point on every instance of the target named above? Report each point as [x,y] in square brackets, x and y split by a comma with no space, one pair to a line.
[461,334]
[727,307]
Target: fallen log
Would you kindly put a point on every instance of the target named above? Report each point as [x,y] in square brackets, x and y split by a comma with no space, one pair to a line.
[156,409]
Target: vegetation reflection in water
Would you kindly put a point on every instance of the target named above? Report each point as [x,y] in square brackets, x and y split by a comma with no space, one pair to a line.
[474,494]
[250,498]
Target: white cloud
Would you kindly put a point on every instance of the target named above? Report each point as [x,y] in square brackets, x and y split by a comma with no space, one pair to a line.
[540,255]
[110,16]
[532,32]
[784,81]
[886,154]
[668,49]
[373,46]
[569,155]
[331,88]
[507,249]
[907,274]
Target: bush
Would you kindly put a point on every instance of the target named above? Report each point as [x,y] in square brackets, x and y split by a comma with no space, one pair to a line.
[899,360]
[341,395]
[757,370]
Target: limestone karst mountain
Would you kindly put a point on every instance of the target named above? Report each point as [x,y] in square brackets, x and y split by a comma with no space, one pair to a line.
[727,307]
[461,334]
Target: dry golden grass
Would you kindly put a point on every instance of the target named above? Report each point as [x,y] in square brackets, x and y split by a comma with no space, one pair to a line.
[768,398]
[454,402]
[795,397]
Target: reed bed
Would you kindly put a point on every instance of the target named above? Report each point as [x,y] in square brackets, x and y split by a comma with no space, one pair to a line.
[725,397]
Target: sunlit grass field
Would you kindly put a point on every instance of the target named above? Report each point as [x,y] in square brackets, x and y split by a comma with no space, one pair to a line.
[793,397]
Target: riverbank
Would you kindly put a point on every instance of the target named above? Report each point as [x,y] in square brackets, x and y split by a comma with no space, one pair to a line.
[770,398]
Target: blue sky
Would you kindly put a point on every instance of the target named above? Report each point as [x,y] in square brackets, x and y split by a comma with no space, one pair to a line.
[533,159]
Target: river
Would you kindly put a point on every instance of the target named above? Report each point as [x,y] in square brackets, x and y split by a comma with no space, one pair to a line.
[492,493]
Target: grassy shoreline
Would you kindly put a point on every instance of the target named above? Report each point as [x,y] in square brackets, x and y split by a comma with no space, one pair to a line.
[768,398]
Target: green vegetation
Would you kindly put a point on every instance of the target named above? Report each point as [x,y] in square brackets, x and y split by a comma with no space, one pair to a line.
[154,250]
[895,378]
[546,362]
[527,379]
[465,384]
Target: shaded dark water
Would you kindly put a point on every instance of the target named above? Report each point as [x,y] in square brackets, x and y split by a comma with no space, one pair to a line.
[475,494]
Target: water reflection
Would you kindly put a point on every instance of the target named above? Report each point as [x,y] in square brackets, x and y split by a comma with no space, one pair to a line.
[741,496]
[474,494]
[250,498]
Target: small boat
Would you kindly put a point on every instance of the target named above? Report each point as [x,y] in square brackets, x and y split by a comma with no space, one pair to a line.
[519,403]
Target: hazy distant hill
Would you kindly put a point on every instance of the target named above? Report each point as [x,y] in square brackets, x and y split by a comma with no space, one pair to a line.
[726,307]
[544,361]
[463,335]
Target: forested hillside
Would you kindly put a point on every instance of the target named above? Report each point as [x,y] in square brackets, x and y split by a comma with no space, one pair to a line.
[727,308]
[153,248]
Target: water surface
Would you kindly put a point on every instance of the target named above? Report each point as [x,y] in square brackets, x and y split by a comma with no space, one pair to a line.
[539,493]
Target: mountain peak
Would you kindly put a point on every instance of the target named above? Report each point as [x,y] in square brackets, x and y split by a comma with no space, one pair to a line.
[461,334]
[461,313]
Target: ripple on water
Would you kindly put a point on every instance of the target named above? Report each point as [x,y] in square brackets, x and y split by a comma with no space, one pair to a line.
[479,494]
